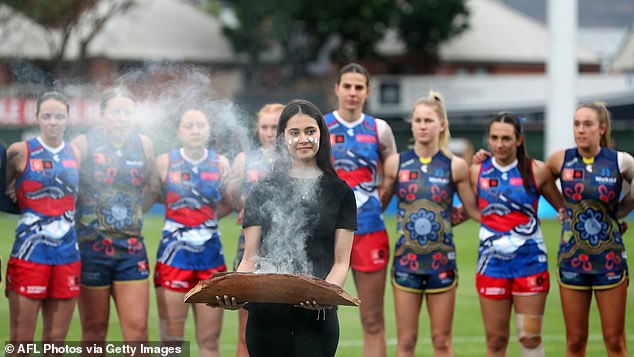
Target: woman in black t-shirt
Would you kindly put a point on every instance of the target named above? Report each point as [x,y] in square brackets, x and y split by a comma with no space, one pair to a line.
[300,220]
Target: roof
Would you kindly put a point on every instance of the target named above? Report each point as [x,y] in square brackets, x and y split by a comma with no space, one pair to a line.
[471,94]
[171,30]
[624,59]
[162,29]
[21,37]
[497,33]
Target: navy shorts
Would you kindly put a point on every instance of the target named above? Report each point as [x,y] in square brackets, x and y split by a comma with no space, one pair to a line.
[580,281]
[105,260]
[425,283]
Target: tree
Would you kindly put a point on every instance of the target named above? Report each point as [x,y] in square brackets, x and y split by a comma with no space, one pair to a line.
[424,24]
[63,18]
[303,29]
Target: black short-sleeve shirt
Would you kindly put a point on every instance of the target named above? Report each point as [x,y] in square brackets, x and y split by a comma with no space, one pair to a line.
[298,219]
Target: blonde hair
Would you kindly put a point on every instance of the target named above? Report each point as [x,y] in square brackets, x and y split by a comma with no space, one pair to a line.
[604,117]
[273,108]
[435,101]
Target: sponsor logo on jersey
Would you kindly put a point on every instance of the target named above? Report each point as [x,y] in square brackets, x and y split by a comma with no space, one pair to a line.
[407,175]
[403,175]
[72,164]
[572,174]
[605,180]
[134,163]
[365,138]
[206,175]
[516,181]
[439,180]
[337,139]
[37,165]
[486,183]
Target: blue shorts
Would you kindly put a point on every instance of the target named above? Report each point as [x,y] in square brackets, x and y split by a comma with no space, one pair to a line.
[104,261]
[425,283]
[580,281]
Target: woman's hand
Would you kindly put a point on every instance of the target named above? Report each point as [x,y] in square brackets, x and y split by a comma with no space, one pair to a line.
[228,303]
[458,215]
[313,305]
[562,215]
[480,157]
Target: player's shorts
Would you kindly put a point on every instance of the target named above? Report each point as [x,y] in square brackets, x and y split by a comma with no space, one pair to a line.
[425,283]
[41,281]
[239,251]
[181,280]
[503,288]
[370,251]
[580,281]
[106,260]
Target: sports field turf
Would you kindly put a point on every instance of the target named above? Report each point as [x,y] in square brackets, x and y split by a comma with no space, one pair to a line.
[468,331]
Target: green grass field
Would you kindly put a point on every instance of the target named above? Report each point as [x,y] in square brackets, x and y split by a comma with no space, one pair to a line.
[467,331]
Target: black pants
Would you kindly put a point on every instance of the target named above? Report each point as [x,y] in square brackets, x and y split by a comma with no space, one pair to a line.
[285,330]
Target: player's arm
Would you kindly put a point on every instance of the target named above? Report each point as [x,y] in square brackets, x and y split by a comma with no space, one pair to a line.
[152,189]
[224,207]
[252,237]
[555,162]
[387,143]
[627,171]
[234,184]
[546,185]
[341,264]
[80,146]
[161,163]
[16,162]
[461,178]
[389,180]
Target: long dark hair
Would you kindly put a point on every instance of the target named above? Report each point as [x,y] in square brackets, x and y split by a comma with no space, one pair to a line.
[524,161]
[354,68]
[60,97]
[300,106]
[112,93]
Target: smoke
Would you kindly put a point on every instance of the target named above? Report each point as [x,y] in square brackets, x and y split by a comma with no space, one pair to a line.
[160,105]
[163,93]
[284,248]
[181,88]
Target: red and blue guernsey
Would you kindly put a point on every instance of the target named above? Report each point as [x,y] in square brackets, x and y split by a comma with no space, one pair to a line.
[111,194]
[425,193]
[191,239]
[47,190]
[591,241]
[511,240]
[356,156]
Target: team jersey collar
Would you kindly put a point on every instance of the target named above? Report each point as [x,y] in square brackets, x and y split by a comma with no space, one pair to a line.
[503,168]
[348,124]
[52,150]
[192,161]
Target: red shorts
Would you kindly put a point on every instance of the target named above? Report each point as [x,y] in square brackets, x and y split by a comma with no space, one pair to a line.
[370,251]
[181,280]
[503,288]
[41,281]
